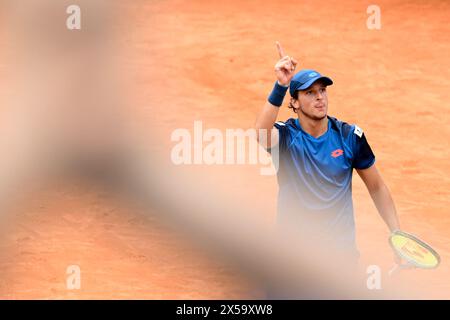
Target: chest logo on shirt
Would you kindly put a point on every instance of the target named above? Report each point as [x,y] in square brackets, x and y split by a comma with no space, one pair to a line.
[337,153]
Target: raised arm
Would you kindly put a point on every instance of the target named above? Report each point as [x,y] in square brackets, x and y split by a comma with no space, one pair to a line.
[284,71]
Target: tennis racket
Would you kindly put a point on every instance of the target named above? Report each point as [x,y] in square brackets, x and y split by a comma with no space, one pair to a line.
[414,251]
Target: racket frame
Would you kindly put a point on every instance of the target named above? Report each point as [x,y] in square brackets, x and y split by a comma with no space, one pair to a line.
[420,242]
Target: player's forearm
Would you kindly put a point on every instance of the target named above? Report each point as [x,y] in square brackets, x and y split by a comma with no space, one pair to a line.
[269,112]
[386,207]
[267,116]
[284,71]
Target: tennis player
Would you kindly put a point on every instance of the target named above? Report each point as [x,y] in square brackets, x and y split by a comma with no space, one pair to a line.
[317,155]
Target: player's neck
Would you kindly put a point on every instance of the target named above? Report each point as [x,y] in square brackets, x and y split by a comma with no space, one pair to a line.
[313,127]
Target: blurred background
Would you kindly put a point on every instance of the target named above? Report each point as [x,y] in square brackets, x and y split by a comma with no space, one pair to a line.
[87,103]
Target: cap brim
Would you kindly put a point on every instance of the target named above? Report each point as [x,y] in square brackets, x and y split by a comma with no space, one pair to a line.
[327,81]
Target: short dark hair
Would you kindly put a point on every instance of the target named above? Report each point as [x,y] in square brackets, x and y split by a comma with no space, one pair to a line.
[291,102]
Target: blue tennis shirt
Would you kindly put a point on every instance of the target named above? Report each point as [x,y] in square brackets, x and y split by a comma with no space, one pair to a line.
[315,179]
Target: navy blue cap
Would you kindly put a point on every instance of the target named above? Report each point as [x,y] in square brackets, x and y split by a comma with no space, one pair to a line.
[305,78]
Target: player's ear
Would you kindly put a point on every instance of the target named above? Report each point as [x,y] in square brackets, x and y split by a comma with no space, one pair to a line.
[294,104]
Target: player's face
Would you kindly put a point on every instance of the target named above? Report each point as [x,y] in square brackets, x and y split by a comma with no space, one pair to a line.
[313,102]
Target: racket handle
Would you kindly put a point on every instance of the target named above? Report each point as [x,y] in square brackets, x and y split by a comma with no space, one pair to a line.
[395,268]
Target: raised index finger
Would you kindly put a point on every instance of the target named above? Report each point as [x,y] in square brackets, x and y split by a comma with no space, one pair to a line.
[280,50]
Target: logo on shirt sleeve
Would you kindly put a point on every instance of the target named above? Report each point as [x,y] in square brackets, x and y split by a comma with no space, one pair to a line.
[358,131]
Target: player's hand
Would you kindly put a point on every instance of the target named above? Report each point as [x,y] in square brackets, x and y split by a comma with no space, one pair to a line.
[399,261]
[402,263]
[285,67]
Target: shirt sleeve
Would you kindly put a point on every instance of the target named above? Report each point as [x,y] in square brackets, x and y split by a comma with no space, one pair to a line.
[282,134]
[363,156]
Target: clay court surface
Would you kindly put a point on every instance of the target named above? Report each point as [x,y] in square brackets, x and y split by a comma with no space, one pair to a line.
[213,61]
